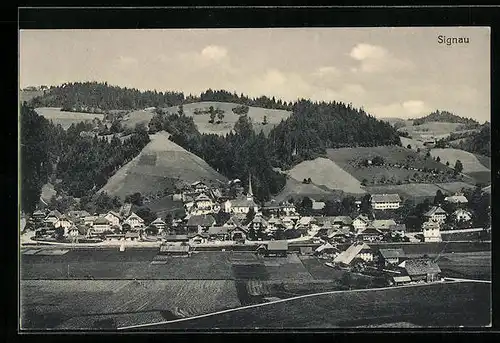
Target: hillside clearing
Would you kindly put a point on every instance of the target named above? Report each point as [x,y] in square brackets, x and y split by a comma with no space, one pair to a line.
[257,114]
[65,119]
[323,171]
[297,189]
[469,161]
[419,190]
[131,119]
[432,129]
[157,167]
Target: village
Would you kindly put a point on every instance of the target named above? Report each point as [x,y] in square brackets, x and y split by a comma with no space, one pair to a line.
[228,218]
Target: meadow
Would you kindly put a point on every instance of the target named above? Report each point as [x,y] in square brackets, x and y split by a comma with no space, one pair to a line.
[65,119]
[470,162]
[418,191]
[435,129]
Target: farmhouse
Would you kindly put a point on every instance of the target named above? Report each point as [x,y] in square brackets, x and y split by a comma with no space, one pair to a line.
[277,248]
[462,215]
[89,220]
[258,223]
[198,238]
[356,250]
[101,225]
[371,234]
[382,224]
[238,234]
[159,223]
[52,218]
[431,232]
[436,214]
[63,222]
[400,280]
[391,256]
[174,250]
[385,201]
[456,199]
[275,223]
[199,187]
[113,218]
[202,205]
[421,269]
[200,222]
[360,223]
[134,221]
[218,232]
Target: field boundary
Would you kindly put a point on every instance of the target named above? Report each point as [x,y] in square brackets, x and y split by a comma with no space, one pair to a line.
[286,300]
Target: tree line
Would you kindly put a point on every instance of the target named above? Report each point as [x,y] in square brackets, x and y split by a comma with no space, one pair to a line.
[445,116]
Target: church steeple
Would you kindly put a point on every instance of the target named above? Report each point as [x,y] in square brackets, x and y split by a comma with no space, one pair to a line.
[250,191]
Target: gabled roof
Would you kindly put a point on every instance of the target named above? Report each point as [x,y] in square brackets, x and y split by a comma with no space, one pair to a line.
[397,227]
[385,198]
[54,213]
[39,213]
[134,216]
[101,221]
[201,220]
[348,255]
[117,215]
[326,246]
[392,253]
[462,210]
[457,199]
[90,218]
[158,221]
[371,231]
[233,221]
[383,223]
[420,266]
[202,197]
[277,245]
[435,210]
[243,201]
[217,230]
[258,219]
[362,218]
[305,220]
[346,220]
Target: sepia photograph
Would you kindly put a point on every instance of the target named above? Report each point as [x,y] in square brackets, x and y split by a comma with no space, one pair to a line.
[254,178]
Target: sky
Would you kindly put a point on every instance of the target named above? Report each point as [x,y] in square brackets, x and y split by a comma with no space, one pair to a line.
[389,72]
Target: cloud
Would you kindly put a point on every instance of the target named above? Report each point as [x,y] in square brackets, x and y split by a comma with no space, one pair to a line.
[326,71]
[214,52]
[406,109]
[414,106]
[374,58]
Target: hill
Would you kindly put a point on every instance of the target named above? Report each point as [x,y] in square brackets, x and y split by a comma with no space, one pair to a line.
[446,117]
[325,172]
[469,161]
[199,112]
[66,118]
[296,189]
[28,94]
[434,130]
[133,118]
[157,167]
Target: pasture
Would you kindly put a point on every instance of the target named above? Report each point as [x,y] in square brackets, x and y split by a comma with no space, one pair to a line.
[419,191]
[257,114]
[131,119]
[65,119]
[432,129]
[296,189]
[431,305]
[77,304]
[469,265]
[325,172]
[469,161]
[157,166]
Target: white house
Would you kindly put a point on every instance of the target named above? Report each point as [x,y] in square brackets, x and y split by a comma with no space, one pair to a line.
[202,205]
[101,225]
[456,199]
[89,220]
[52,218]
[159,223]
[113,218]
[462,215]
[436,214]
[242,204]
[63,222]
[385,201]
[360,223]
[431,231]
[199,187]
[134,221]
[317,205]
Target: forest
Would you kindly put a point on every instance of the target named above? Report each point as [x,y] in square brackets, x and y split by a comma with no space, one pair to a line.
[445,116]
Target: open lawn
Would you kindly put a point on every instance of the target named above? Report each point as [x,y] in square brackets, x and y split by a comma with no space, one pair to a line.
[418,191]
[157,166]
[433,305]
[325,172]
[257,114]
[297,189]
[78,304]
[66,118]
[395,157]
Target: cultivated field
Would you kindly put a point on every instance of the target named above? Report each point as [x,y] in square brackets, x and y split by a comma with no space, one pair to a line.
[470,162]
[297,189]
[131,119]
[434,305]
[325,172]
[415,144]
[434,129]
[78,304]
[257,114]
[66,118]
[157,166]
[419,190]
[470,265]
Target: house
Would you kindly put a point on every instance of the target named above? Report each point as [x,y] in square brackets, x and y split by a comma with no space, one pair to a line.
[134,221]
[356,250]
[341,221]
[400,280]
[132,236]
[285,208]
[101,224]
[258,223]
[398,229]
[202,204]
[277,248]
[89,220]
[177,238]
[232,222]
[38,216]
[63,222]
[340,235]
[174,250]
[462,215]
[371,234]
[237,234]
[385,201]
[360,223]
[202,222]
[218,232]
[436,214]
[198,238]
[431,232]
[52,218]
[78,214]
[421,269]
[317,205]
[275,223]
[125,209]
[306,250]
[324,249]
[159,223]
[113,218]
[456,199]
[241,205]
[391,256]
[199,187]
[382,224]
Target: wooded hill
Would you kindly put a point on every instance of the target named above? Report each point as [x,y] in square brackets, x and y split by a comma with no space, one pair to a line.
[445,116]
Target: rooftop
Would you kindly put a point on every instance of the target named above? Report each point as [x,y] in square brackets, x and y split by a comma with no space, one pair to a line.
[385,198]
[457,199]
[435,210]
[392,253]
[174,248]
[277,245]
[201,220]
[420,266]
[348,255]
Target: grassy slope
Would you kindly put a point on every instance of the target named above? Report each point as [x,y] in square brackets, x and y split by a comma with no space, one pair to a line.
[456,304]
[436,129]
[470,161]
[65,118]
[257,114]
[28,95]
[131,119]
[297,189]
[419,190]
[325,172]
[157,166]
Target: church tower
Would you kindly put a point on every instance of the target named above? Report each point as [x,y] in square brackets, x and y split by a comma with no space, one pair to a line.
[250,191]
